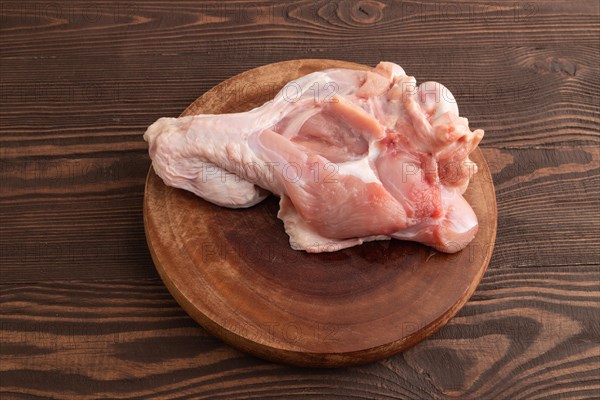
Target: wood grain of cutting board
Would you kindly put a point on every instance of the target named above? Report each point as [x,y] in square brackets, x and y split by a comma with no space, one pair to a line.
[234,272]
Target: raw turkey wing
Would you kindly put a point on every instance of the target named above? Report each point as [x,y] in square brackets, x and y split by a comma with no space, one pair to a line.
[374,157]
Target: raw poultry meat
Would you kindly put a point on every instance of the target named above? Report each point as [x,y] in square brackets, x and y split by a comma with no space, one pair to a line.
[368,155]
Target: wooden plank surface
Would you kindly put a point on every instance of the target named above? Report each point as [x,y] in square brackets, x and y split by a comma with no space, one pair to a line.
[83,313]
[527,332]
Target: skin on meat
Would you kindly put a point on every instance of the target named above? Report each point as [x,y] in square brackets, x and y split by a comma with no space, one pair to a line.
[380,158]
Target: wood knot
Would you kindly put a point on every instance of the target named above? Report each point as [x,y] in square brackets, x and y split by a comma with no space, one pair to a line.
[557,65]
[367,12]
[562,65]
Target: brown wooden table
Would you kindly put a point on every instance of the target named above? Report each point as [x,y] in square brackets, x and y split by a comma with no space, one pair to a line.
[84,314]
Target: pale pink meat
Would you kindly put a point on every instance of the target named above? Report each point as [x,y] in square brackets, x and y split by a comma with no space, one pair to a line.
[354,156]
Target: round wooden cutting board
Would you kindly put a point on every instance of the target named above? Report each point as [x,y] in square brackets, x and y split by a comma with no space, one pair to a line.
[234,272]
